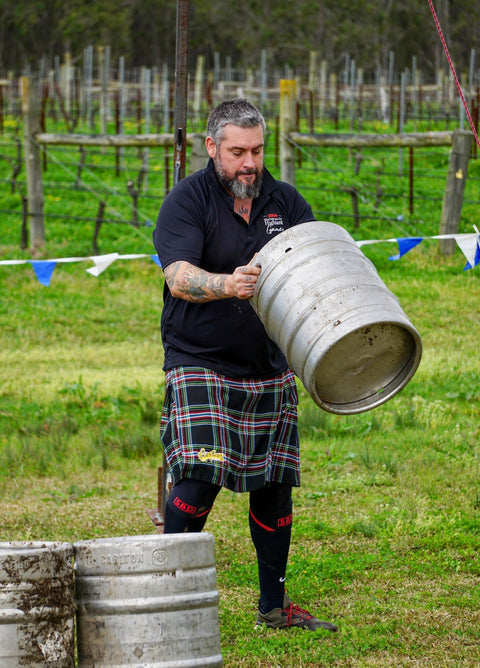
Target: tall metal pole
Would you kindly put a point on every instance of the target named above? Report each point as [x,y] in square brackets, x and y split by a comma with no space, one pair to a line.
[180,122]
[181,90]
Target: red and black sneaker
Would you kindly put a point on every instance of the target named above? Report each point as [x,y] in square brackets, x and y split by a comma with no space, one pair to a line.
[292,615]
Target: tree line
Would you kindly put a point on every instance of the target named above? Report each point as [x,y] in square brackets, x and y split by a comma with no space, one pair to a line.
[144,32]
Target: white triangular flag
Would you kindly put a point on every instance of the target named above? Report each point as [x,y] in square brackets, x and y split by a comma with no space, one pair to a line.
[102,262]
[468,245]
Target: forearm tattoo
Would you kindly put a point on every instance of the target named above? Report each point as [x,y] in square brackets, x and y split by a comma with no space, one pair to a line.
[195,284]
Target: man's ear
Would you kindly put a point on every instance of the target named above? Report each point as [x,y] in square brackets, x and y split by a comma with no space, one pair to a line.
[211,147]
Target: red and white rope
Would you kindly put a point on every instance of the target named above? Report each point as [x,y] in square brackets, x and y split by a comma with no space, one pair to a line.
[457,82]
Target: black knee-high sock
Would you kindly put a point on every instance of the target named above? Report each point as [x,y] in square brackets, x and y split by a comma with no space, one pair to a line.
[188,506]
[270,522]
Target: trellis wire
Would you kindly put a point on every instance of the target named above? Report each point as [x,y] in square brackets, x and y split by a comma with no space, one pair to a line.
[94,193]
[342,179]
[349,182]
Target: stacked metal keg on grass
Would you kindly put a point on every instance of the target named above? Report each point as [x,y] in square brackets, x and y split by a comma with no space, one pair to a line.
[37,605]
[147,601]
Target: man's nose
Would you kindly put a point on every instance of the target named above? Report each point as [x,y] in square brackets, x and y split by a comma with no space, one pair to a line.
[249,160]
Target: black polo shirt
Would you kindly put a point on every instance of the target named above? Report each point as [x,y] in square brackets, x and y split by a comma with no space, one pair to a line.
[197,223]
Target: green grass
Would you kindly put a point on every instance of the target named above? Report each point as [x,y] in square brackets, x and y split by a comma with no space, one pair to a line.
[387,520]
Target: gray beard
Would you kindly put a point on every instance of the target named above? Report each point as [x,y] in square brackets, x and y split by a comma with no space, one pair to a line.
[239,189]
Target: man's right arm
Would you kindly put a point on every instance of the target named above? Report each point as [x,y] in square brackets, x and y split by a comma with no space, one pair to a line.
[186,281]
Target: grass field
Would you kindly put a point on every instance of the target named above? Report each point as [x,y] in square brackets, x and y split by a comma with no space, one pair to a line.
[387,520]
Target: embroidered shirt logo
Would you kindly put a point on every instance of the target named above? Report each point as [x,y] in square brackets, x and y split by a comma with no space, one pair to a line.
[273,223]
[205,456]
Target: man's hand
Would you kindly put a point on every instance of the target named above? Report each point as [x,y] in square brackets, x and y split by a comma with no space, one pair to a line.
[186,281]
[243,281]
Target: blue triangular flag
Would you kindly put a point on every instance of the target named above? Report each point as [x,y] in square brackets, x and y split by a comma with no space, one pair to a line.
[43,270]
[477,255]
[476,259]
[405,245]
[156,259]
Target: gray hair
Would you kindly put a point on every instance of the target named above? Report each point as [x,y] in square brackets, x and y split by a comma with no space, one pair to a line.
[239,112]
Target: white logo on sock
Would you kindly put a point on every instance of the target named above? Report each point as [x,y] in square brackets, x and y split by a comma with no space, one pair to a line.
[282,580]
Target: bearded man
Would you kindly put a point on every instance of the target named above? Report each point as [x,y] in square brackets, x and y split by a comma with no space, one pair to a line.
[230,411]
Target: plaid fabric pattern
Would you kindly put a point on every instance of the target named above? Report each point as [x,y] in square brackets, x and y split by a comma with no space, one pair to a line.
[237,433]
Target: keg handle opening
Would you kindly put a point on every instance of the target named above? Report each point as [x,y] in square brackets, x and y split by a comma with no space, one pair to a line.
[259,264]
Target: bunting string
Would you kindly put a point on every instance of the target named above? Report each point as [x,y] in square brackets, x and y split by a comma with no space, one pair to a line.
[44,269]
[468,243]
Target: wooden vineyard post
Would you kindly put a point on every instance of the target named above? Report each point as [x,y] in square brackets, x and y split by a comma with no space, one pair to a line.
[33,163]
[453,197]
[199,155]
[288,97]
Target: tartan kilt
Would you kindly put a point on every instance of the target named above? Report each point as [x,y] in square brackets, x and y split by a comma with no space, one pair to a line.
[236,433]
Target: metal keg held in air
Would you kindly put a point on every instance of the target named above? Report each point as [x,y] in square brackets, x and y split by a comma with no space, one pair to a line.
[341,329]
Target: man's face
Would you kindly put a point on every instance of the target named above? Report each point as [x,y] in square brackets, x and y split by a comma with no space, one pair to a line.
[239,160]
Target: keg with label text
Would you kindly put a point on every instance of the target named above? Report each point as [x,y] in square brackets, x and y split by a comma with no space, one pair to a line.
[147,601]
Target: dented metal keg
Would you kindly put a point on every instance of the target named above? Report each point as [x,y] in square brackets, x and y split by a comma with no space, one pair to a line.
[147,601]
[37,605]
[341,329]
